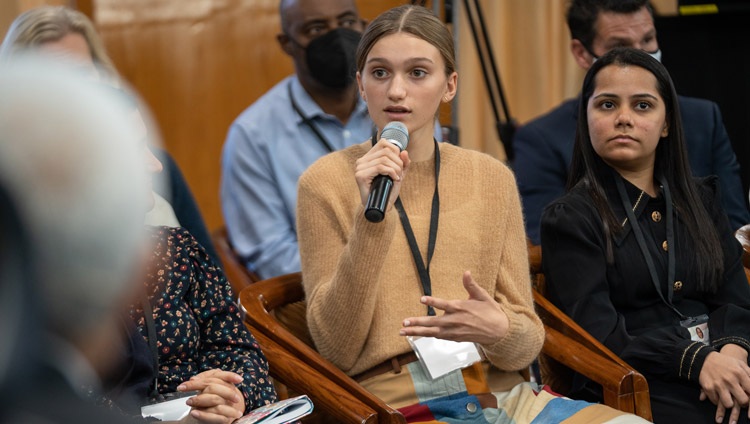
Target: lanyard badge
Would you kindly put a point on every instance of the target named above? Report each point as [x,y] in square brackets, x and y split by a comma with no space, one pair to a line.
[698,328]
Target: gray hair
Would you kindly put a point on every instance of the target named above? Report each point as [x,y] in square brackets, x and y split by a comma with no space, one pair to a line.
[73,163]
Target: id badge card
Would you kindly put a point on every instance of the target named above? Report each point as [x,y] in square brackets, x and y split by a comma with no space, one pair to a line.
[698,328]
[439,357]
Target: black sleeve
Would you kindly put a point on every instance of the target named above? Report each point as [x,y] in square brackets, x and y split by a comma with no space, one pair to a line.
[575,266]
[730,317]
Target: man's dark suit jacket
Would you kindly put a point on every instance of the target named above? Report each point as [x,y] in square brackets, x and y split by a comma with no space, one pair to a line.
[544,149]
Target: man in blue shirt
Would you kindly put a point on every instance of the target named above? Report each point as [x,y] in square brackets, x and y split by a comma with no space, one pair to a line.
[305,116]
[544,147]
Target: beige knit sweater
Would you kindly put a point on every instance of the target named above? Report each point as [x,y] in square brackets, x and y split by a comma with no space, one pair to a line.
[360,278]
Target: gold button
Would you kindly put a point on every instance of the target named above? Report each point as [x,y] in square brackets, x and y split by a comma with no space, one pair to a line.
[656,216]
[664,246]
[677,285]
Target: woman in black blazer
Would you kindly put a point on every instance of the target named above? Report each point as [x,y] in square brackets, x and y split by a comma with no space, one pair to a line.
[641,254]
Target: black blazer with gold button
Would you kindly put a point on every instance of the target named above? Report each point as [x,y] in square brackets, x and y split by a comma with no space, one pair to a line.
[618,303]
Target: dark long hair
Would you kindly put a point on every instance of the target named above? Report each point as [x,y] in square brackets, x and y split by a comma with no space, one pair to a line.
[671,162]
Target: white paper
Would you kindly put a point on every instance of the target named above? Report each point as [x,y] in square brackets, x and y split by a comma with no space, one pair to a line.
[171,410]
[440,357]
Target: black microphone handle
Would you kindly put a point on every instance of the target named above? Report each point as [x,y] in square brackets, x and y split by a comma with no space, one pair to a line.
[377,201]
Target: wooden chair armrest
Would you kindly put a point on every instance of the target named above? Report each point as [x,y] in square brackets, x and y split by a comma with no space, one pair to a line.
[616,380]
[302,378]
[260,299]
[623,387]
[238,275]
[555,318]
[267,295]
[570,345]
[642,397]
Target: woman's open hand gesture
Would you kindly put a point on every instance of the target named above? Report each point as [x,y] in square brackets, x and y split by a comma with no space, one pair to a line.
[478,319]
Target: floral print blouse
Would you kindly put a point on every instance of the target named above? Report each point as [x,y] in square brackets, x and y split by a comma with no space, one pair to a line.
[197,322]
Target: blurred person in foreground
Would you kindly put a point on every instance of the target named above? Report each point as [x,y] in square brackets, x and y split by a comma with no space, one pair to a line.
[81,202]
[189,333]
[69,35]
[187,323]
[19,313]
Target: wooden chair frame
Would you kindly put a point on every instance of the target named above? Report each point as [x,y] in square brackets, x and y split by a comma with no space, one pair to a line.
[236,272]
[300,367]
[259,301]
[338,402]
[624,388]
[629,394]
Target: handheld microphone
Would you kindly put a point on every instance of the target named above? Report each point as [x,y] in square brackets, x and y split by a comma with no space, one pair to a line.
[396,133]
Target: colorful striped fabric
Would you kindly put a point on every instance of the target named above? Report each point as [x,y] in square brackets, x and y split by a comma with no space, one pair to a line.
[459,397]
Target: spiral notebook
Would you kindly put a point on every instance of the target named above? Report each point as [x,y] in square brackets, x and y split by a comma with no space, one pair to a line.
[284,411]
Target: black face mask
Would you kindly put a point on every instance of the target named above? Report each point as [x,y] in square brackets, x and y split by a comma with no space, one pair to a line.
[331,57]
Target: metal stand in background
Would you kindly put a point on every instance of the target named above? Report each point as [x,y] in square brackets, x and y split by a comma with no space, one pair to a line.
[507,127]
[450,133]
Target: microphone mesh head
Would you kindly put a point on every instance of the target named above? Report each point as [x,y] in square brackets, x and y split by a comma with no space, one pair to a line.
[396,133]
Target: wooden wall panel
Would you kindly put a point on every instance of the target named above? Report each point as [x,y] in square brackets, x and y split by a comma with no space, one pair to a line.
[8,12]
[9,9]
[198,64]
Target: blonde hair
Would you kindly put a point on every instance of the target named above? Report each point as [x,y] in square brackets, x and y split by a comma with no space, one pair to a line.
[415,20]
[51,23]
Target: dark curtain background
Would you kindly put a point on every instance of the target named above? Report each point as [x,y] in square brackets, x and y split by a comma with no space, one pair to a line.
[708,56]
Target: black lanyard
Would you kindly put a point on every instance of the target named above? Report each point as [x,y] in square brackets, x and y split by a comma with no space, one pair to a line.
[642,241]
[308,121]
[424,271]
[148,315]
